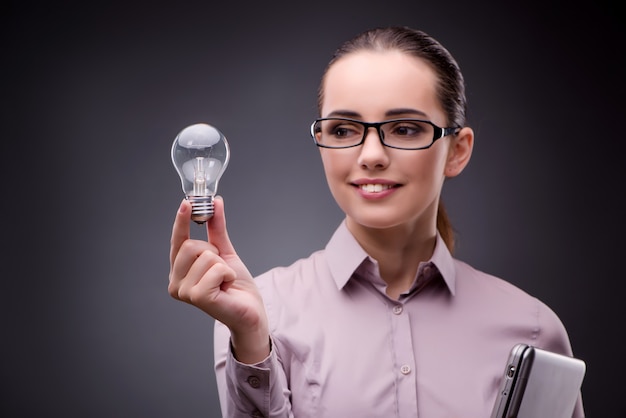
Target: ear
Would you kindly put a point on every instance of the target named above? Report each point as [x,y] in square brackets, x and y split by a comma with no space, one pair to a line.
[460,151]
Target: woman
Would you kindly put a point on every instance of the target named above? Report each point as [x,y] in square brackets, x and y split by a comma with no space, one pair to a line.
[384,321]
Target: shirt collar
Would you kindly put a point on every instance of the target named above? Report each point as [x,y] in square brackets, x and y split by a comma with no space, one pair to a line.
[345,255]
[443,260]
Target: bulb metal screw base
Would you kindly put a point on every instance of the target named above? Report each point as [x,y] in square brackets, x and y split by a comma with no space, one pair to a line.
[202,208]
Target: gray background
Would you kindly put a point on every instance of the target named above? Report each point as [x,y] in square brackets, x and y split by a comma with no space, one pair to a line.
[94,93]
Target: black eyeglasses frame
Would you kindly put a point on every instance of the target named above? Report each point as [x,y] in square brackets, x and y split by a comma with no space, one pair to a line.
[438,133]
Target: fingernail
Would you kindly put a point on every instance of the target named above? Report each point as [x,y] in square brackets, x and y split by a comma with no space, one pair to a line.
[182,208]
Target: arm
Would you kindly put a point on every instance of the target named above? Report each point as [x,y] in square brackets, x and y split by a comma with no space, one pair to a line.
[211,276]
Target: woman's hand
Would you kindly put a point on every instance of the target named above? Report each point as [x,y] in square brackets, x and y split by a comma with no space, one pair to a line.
[211,276]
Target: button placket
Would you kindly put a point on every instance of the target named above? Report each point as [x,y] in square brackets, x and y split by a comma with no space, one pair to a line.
[404,357]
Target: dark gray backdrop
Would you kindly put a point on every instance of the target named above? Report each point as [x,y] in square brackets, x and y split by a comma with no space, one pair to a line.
[94,93]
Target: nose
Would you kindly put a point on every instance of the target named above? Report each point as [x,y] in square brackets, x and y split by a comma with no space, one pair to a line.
[373,153]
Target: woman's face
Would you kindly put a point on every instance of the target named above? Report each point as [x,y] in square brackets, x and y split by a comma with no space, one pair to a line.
[377,86]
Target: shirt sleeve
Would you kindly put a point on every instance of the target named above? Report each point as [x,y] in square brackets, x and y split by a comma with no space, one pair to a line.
[553,337]
[249,390]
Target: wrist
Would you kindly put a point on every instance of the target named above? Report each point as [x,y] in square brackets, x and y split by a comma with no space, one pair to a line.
[251,347]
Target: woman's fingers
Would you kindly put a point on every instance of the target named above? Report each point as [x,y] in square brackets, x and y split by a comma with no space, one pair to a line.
[207,293]
[217,232]
[193,261]
[180,229]
[206,268]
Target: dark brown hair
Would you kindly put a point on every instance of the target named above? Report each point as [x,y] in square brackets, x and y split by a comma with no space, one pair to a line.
[450,88]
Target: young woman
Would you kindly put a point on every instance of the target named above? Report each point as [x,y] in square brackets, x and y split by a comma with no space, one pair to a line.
[383,322]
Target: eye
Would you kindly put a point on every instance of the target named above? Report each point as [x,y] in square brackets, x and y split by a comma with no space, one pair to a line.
[342,129]
[408,129]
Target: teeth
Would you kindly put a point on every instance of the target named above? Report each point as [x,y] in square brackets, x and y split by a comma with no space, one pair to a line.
[374,188]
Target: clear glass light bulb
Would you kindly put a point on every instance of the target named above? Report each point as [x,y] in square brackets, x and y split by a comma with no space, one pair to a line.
[200,154]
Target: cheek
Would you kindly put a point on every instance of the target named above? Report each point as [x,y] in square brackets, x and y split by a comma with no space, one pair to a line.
[336,165]
[426,170]
[436,163]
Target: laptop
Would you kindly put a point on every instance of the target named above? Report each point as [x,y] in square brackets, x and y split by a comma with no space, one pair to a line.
[538,383]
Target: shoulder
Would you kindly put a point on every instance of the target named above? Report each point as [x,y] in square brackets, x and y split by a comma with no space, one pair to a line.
[513,304]
[472,280]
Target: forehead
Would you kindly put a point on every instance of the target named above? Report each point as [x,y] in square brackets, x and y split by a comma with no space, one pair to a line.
[374,81]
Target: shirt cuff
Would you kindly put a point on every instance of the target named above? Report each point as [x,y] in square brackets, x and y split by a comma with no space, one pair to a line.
[253,387]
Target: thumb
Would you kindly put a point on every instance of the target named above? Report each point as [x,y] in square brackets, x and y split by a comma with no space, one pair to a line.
[216,229]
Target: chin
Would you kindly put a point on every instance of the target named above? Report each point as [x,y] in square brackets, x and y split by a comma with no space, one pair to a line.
[378,221]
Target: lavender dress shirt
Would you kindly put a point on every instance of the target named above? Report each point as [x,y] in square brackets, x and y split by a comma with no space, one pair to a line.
[341,348]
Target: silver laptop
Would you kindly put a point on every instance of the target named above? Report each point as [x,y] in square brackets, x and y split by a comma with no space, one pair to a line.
[539,383]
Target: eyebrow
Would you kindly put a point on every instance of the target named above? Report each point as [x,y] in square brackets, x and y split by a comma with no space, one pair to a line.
[390,113]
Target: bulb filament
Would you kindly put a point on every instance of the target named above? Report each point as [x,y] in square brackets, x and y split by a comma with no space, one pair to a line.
[199,178]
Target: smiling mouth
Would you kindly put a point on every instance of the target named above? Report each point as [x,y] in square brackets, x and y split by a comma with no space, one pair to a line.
[375,188]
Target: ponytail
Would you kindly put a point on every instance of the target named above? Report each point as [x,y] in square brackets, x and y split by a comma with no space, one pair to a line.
[444,226]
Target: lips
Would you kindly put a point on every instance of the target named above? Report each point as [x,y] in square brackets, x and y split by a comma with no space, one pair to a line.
[374,187]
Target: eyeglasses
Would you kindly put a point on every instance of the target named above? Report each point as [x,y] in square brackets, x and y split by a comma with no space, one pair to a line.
[408,134]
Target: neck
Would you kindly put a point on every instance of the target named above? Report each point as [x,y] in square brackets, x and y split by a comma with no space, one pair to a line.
[398,250]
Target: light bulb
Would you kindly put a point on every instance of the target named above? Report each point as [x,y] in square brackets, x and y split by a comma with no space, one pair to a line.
[200,154]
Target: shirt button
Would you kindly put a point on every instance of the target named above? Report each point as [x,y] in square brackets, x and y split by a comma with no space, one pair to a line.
[254,381]
[405,369]
[397,309]
[426,270]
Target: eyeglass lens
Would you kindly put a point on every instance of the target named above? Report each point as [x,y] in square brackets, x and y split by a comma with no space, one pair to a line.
[339,133]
